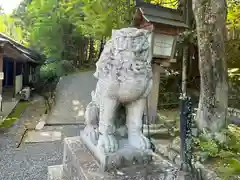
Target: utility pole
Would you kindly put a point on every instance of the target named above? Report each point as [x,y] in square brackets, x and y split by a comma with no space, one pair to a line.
[185,101]
[186,6]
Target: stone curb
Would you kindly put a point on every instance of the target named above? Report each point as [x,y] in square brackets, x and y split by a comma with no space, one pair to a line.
[156,131]
[231,112]
[41,123]
[161,129]
[166,123]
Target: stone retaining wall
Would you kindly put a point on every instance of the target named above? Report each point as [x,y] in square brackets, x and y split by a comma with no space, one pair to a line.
[171,151]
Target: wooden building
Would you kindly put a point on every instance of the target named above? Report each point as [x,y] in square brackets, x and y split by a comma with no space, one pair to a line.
[165,24]
[18,66]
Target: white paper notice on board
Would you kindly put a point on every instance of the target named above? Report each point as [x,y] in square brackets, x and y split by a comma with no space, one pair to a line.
[163,45]
[1,75]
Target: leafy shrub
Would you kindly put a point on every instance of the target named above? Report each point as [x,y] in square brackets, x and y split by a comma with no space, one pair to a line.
[169,90]
[54,70]
[48,72]
[49,77]
[64,67]
[225,154]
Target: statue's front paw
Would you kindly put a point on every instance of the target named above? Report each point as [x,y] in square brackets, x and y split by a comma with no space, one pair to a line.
[107,143]
[138,140]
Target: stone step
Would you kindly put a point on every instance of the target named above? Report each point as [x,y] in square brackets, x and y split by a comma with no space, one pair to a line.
[55,172]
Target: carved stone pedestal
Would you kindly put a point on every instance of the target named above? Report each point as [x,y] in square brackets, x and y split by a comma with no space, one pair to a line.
[125,156]
[80,164]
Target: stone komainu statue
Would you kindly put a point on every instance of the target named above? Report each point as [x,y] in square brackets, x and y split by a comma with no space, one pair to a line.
[124,76]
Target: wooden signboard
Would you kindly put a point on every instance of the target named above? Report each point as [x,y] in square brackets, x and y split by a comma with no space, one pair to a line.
[163,45]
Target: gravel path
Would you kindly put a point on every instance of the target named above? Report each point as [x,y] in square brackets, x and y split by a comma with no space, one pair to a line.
[30,161]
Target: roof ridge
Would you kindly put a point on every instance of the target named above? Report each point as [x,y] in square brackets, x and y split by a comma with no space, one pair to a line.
[27,51]
[140,4]
[14,41]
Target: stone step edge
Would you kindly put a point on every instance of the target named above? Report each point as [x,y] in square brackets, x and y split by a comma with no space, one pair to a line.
[163,124]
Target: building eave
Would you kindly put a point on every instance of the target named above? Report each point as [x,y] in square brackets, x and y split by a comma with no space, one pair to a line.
[160,15]
[29,52]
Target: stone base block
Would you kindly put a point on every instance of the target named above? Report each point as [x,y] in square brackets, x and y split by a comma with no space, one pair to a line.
[124,157]
[56,173]
[80,164]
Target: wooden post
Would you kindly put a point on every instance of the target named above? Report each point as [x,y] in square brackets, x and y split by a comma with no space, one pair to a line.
[1,70]
[26,73]
[14,78]
[6,74]
[153,97]
[187,13]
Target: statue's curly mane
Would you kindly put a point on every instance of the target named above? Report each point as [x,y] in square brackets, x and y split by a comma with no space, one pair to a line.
[126,54]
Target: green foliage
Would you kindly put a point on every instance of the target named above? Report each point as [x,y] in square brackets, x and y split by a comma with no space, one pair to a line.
[99,17]
[9,28]
[225,154]
[63,29]
[233,53]
[65,67]
[233,18]
[48,72]
[209,146]
[46,29]
[166,3]
[52,71]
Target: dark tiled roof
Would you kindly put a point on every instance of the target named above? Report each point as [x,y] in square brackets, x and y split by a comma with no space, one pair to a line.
[165,21]
[29,54]
[159,14]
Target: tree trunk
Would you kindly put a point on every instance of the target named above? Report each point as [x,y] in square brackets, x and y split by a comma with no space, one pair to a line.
[91,51]
[101,47]
[210,18]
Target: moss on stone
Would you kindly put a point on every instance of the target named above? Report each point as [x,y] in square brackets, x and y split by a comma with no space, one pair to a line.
[14,115]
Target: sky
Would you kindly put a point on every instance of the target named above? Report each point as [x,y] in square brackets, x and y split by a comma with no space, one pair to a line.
[9,5]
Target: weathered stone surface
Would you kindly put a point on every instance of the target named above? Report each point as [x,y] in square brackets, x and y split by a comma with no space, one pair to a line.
[176,144]
[43,136]
[125,156]
[41,123]
[79,164]
[153,126]
[170,122]
[55,172]
[162,131]
[162,146]
[124,76]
